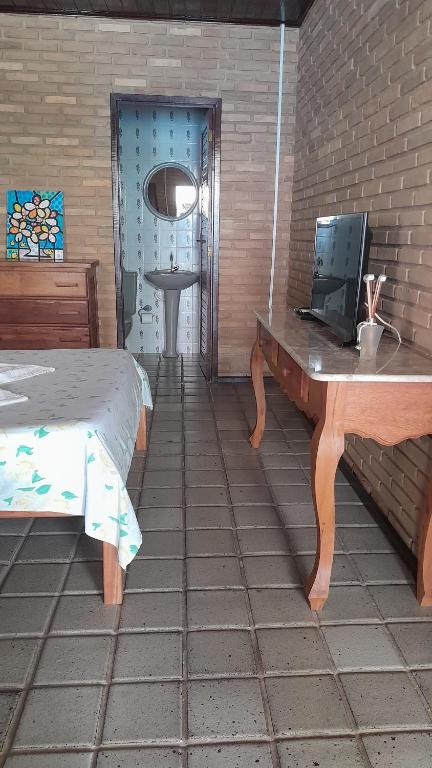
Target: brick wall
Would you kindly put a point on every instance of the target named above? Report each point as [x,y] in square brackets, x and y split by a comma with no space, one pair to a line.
[57,74]
[364,143]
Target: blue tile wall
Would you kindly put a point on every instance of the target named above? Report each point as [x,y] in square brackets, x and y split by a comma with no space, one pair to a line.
[149,136]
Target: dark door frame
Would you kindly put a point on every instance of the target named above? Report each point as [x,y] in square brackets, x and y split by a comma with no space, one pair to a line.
[214,106]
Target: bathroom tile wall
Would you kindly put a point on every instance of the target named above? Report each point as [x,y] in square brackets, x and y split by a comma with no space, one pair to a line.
[149,136]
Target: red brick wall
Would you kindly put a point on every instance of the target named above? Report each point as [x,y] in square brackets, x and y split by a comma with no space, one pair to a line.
[57,74]
[364,143]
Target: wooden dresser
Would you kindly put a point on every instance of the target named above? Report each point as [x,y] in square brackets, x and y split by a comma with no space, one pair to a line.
[46,305]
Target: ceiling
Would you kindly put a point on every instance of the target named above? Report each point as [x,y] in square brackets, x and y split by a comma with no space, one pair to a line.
[267,12]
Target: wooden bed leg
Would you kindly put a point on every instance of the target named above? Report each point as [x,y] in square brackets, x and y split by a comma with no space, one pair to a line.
[112,576]
[141,438]
[257,371]
[424,561]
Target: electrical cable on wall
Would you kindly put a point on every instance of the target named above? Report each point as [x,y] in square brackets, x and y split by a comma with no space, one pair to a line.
[277,163]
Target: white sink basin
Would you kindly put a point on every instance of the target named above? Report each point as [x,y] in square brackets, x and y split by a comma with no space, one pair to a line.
[166,280]
[172,284]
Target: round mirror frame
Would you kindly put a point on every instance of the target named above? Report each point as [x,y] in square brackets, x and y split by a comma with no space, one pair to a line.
[149,177]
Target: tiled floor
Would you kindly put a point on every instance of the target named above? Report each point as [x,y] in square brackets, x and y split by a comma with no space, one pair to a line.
[214,660]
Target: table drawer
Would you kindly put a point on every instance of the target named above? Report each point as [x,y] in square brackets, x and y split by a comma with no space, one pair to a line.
[49,282]
[291,377]
[41,311]
[43,337]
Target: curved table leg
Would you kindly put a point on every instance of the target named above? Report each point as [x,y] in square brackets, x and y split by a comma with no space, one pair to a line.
[424,563]
[326,449]
[257,368]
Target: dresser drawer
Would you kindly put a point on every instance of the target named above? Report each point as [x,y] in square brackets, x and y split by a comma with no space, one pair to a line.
[44,311]
[43,337]
[291,377]
[49,282]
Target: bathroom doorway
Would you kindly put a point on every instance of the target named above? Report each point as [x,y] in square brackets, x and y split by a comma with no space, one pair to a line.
[166,182]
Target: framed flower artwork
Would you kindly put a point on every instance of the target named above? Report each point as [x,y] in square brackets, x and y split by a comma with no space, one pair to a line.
[34,226]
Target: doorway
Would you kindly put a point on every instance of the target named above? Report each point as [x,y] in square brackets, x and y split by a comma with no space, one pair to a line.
[155,138]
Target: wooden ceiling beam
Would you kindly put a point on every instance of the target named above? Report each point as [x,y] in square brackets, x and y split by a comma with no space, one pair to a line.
[256,12]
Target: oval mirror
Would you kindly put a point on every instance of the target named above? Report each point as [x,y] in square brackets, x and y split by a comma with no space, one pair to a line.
[170,191]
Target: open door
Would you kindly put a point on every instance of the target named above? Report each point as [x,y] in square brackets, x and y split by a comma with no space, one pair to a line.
[206,248]
[207,230]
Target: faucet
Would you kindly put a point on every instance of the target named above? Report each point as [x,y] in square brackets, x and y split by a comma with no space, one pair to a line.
[172,267]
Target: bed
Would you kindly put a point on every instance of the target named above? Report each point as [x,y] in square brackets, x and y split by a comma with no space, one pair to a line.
[68,448]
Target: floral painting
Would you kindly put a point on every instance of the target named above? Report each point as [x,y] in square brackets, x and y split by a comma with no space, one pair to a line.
[34,227]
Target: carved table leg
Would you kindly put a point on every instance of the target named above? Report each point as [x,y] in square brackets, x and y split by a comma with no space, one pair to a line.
[112,576]
[424,563]
[257,369]
[326,449]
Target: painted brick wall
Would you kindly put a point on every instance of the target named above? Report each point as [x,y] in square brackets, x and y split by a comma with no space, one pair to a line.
[364,143]
[57,74]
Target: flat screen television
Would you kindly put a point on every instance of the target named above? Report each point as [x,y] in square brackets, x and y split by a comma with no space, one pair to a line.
[341,250]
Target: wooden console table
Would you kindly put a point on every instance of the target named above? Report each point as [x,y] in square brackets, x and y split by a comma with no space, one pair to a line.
[388,400]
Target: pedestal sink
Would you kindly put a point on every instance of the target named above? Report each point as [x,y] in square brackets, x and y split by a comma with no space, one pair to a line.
[171,283]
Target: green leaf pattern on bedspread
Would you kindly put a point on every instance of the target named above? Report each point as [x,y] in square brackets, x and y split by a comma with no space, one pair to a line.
[77,460]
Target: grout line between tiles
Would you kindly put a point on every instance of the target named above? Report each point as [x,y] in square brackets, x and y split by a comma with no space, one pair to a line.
[13,560]
[23,695]
[182,744]
[409,669]
[389,635]
[279,675]
[185,670]
[241,740]
[336,677]
[343,695]
[253,635]
[100,725]
[151,631]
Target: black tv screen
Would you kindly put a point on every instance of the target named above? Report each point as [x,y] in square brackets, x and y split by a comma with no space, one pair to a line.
[341,243]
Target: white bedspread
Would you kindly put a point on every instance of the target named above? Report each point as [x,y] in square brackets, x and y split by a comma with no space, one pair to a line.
[68,448]
[10,373]
[13,372]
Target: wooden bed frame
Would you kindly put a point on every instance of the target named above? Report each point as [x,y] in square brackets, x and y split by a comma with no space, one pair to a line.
[112,572]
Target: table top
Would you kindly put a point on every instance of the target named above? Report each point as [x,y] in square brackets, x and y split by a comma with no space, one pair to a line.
[320,354]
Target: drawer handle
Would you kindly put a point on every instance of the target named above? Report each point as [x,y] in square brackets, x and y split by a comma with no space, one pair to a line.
[66,285]
[68,312]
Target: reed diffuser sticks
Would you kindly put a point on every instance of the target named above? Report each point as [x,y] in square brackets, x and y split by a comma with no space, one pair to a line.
[373,290]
